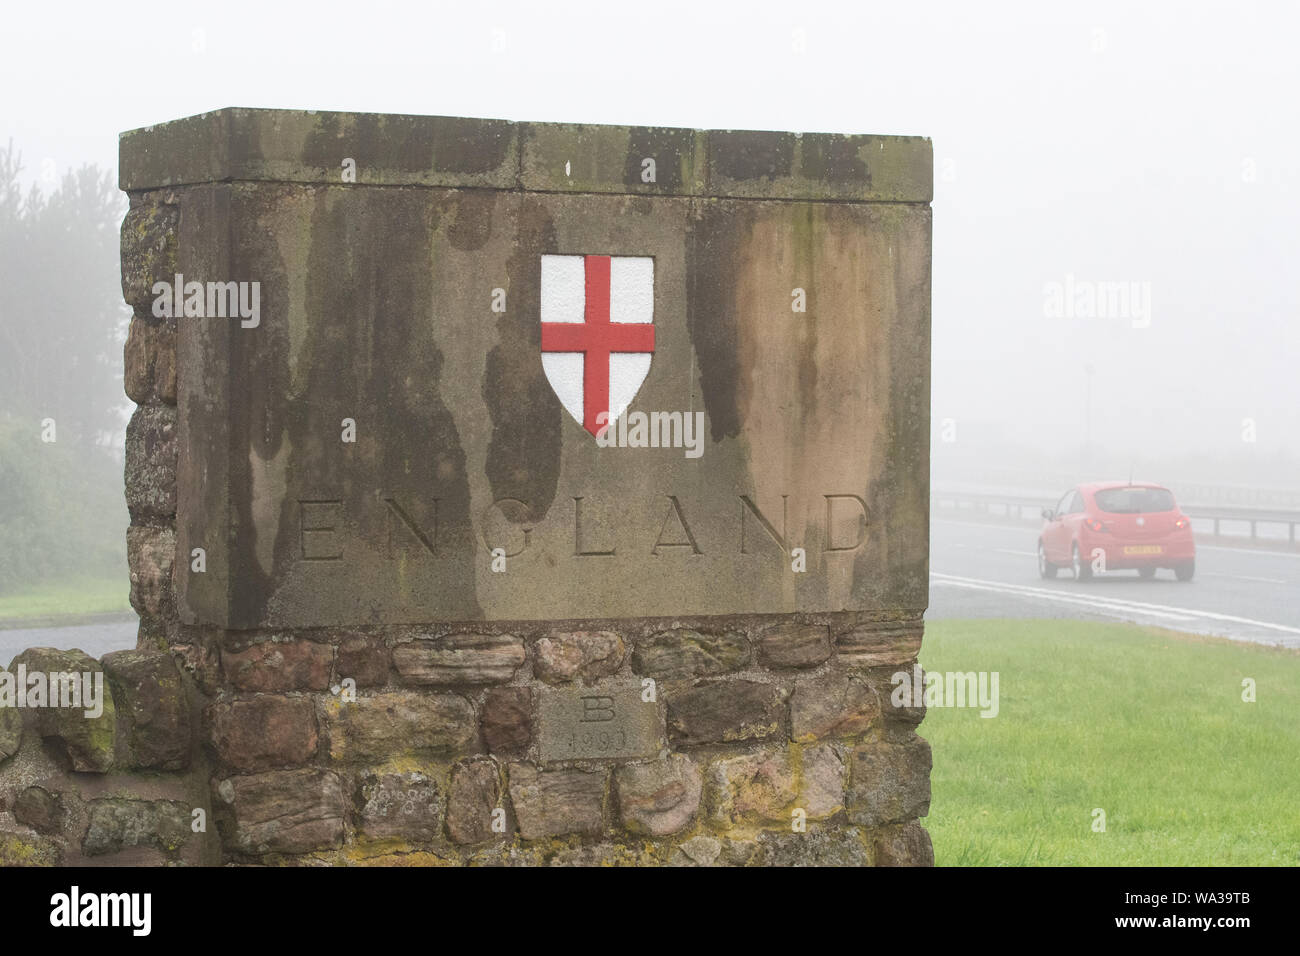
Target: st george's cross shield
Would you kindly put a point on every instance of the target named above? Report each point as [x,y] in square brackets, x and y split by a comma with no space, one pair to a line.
[597,332]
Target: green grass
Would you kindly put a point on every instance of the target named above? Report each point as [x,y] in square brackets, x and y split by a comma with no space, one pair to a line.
[66,599]
[1148,725]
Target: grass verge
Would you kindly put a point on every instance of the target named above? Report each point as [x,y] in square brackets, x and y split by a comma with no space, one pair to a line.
[1147,725]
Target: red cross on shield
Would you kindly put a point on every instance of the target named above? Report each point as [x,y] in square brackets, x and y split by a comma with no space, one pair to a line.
[597,332]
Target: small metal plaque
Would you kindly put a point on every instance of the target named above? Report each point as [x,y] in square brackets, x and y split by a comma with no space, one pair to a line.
[593,723]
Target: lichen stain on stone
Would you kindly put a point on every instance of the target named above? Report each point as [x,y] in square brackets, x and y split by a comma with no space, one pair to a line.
[523,456]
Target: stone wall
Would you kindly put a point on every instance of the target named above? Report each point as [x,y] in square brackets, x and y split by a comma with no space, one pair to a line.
[387,735]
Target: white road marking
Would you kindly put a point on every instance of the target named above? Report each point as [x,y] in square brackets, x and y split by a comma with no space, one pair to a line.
[1019,554]
[1108,603]
[1241,577]
[1259,552]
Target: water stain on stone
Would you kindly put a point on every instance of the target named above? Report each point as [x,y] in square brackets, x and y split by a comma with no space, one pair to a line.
[523,456]
[711,312]
[833,158]
[667,147]
[746,154]
[470,214]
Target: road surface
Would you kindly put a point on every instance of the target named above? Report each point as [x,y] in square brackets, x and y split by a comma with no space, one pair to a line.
[989,570]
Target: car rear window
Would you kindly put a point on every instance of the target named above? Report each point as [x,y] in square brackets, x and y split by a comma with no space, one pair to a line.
[1132,501]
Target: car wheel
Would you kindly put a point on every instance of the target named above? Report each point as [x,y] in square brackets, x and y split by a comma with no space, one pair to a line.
[1046,569]
[1146,573]
[1082,569]
[1184,572]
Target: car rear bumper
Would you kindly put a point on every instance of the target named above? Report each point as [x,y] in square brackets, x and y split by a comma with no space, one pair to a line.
[1122,553]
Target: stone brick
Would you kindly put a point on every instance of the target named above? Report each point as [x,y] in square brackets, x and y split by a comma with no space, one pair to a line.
[698,851]
[460,659]
[149,555]
[474,796]
[681,653]
[818,846]
[263,733]
[508,719]
[277,666]
[870,645]
[11,732]
[152,707]
[896,707]
[754,788]
[148,252]
[116,824]
[283,811]
[837,704]
[88,742]
[399,723]
[151,462]
[906,845]
[402,806]
[658,798]
[794,645]
[39,809]
[723,712]
[578,655]
[889,781]
[364,658]
[821,782]
[551,803]
[149,361]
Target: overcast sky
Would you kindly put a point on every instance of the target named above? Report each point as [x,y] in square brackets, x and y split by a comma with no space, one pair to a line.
[1154,144]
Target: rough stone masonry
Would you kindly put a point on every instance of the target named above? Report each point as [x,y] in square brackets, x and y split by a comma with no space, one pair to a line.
[400,604]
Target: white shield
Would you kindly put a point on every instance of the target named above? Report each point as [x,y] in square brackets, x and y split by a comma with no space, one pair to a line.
[597,317]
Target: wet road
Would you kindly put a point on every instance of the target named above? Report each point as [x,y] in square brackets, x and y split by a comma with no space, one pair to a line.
[989,570]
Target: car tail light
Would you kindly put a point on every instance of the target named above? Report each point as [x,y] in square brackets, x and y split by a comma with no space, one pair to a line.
[1094,524]
[1183,522]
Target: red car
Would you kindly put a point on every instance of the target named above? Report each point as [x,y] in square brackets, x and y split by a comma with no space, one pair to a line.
[1114,525]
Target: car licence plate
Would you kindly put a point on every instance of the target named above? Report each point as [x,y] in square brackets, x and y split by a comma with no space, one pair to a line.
[1144,549]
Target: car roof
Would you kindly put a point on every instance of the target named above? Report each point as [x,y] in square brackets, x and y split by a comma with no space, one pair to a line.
[1094,486]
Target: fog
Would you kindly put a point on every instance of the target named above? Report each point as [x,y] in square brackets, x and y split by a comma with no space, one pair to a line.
[1153,146]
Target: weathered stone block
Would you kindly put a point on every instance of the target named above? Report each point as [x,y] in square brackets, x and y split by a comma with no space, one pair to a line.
[906,845]
[116,824]
[399,805]
[149,555]
[717,712]
[819,846]
[890,781]
[822,775]
[557,802]
[39,809]
[277,666]
[460,659]
[684,652]
[399,723]
[875,645]
[578,655]
[756,788]
[285,811]
[11,731]
[659,798]
[265,732]
[474,798]
[151,452]
[363,658]
[149,361]
[148,252]
[153,708]
[794,645]
[73,677]
[611,721]
[508,719]
[837,704]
